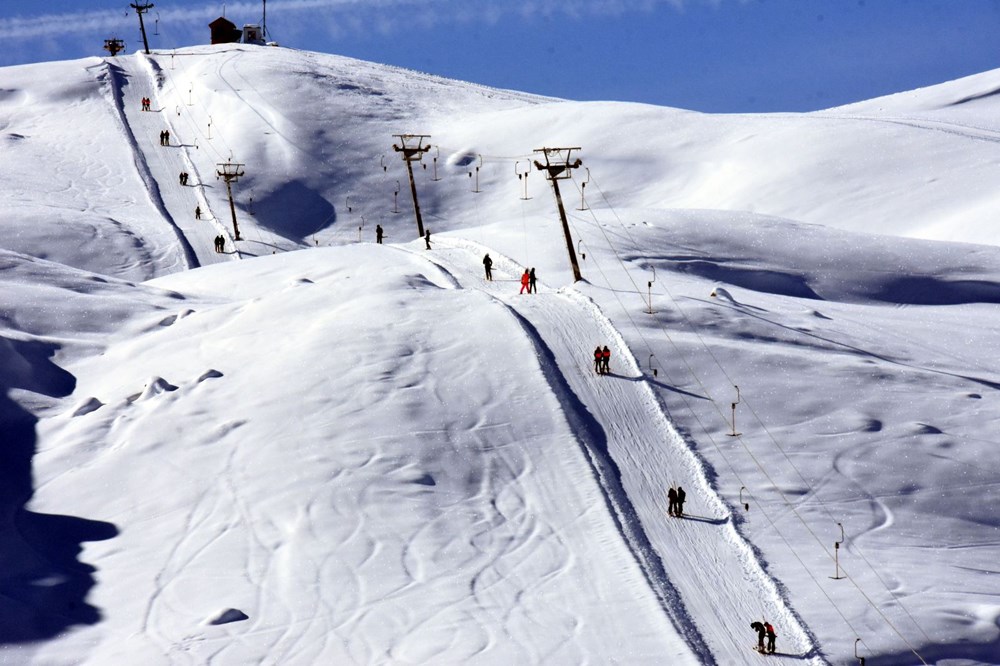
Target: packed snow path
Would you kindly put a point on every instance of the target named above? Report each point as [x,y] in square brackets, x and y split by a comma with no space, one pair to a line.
[164,163]
[705,575]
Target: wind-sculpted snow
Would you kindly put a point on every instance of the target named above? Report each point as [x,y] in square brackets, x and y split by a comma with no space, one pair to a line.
[367,455]
[414,499]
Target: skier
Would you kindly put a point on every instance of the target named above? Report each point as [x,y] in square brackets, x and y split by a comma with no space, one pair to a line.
[598,357]
[161,137]
[427,238]
[197,212]
[759,628]
[681,495]
[532,287]
[488,264]
[181,178]
[770,636]
[525,281]
[378,234]
[166,137]
[672,501]
[606,360]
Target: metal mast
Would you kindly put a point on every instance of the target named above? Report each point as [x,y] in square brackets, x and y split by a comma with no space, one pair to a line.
[413,154]
[558,167]
[140,10]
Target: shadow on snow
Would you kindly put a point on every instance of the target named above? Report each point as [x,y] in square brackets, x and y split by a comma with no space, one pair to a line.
[43,586]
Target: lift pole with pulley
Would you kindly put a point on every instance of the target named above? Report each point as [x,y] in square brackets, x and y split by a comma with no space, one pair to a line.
[413,153]
[558,167]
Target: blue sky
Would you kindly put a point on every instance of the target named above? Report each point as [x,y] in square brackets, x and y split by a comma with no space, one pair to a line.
[706,55]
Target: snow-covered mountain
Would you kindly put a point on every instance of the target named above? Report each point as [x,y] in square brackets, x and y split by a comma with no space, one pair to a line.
[313,449]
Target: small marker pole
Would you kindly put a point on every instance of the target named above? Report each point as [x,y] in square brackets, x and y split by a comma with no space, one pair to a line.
[649,290]
[836,558]
[734,433]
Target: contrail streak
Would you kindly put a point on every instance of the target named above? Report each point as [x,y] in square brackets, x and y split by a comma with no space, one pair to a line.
[45,25]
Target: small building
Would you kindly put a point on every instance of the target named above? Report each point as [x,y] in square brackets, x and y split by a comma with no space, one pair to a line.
[224,31]
[252,34]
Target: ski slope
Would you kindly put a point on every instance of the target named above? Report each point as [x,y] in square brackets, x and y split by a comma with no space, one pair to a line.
[341,452]
[637,454]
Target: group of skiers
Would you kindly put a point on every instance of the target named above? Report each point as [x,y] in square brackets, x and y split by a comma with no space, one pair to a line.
[602,360]
[764,629]
[220,243]
[675,501]
[528,281]
[184,177]
[145,103]
[165,138]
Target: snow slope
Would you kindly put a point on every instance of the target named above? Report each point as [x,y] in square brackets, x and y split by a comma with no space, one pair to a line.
[368,454]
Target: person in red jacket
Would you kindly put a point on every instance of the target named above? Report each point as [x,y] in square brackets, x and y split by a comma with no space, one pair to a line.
[598,357]
[770,636]
[525,281]
[606,360]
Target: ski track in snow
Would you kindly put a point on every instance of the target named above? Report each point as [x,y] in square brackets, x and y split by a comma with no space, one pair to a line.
[118,87]
[704,573]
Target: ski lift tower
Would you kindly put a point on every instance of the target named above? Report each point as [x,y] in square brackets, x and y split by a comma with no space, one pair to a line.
[231,173]
[140,10]
[558,167]
[114,46]
[413,153]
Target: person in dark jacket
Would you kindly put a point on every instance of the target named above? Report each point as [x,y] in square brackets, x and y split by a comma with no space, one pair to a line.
[488,265]
[672,501]
[761,631]
[197,212]
[681,496]
[378,234]
[427,238]
[532,287]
